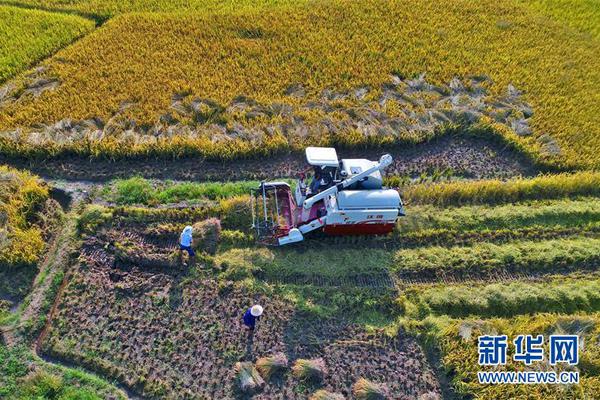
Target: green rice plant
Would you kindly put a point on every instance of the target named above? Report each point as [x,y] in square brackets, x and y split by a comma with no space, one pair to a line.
[236,238]
[23,376]
[323,394]
[482,259]
[92,217]
[163,215]
[363,389]
[44,385]
[537,213]
[269,366]
[236,213]
[585,183]
[325,264]
[309,370]
[536,219]
[30,35]
[204,190]
[559,295]
[238,264]
[137,190]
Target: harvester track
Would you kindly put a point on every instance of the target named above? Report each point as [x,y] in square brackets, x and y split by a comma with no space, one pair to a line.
[397,241]
[380,281]
[492,277]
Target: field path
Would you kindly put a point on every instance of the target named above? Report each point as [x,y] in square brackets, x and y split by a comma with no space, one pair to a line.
[52,267]
[465,156]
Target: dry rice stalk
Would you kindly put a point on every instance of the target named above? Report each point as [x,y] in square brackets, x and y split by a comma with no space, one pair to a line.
[248,378]
[309,370]
[268,366]
[364,389]
[206,235]
[325,395]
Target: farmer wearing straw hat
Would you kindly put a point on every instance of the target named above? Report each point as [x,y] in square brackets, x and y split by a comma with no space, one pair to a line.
[251,316]
[185,244]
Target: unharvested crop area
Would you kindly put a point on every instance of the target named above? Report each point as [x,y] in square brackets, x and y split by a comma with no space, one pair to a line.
[27,36]
[232,86]
[110,8]
[27,218]
[456,338]
[582,15]
[154,115]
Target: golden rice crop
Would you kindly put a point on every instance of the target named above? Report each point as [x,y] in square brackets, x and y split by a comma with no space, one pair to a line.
[109,8]
[583,15]
[21,197]
[143,59]
[247,377]
[457,340]
[586,183]
[30,35]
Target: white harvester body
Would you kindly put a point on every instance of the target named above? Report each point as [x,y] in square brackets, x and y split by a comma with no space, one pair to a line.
[344,198]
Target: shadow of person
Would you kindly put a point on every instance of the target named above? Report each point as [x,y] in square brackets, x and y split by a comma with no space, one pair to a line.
[249,344]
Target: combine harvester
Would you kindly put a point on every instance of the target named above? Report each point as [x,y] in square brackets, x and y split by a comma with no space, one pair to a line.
[344,198]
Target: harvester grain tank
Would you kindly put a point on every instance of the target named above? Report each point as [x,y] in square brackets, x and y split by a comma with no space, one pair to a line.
[345,197]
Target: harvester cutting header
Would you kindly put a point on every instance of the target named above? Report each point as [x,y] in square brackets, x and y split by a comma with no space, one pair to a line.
[345,197]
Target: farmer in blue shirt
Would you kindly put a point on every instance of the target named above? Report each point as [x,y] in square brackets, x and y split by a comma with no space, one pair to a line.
[251,316]
[185,244]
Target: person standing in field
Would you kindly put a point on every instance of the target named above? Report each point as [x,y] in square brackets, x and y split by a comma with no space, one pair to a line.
[251,316]
[185,244]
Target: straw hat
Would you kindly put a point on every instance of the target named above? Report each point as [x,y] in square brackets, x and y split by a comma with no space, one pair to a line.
[256,310]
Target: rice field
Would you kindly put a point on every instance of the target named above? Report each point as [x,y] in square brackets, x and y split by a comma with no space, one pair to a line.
[491,110]
[28,36]
[458,338]
[134,77]
[23,376]
[496,191]
[582,15]
[447,272]
[111,8]
[22,198]
[554,294]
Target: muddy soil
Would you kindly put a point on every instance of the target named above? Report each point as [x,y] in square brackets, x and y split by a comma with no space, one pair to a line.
[162,333]
[463,156]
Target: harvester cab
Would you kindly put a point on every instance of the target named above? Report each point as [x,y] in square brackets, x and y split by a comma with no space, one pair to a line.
[344,197]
